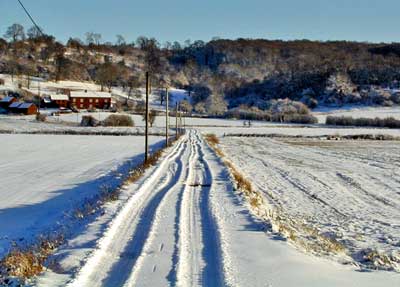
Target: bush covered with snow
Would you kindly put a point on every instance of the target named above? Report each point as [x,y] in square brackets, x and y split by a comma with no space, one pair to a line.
[118,121]
[283,111]
[89,121]
[41,117]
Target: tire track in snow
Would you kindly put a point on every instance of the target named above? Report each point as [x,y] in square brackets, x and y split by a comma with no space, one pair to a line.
[150,243]
[156,265]
[187,268]
[110,246]
[136,247]
[213,273]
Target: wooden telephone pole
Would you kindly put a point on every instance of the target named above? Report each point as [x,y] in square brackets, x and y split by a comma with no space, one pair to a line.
[146,153]
[176,120]
[38,111]
[180,120]
[166,117]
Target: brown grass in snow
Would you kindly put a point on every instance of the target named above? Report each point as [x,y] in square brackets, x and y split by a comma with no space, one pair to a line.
[28,262]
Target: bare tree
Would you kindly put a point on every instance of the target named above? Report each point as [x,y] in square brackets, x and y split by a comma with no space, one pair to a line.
[120,40]
[97,38]
[89,38]
[106,75]
[186,106]
[200,107]
[15,32]
[152,117]
[93,38]
[133,84]
[216,105]
[152,54]
[34,32]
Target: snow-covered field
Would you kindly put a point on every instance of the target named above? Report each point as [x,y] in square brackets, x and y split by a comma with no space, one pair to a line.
[293,130]
[43,176]
[357,112]
[183,224]
[347,191]
[28,124]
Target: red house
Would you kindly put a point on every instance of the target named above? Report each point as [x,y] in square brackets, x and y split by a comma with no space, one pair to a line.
[62,101]
[23,108]
[90,100]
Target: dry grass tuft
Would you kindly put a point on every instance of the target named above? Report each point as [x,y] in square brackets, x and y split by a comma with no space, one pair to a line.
[28,262]
[212,139]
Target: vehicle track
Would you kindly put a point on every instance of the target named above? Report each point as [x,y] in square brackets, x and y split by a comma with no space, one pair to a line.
[166,233]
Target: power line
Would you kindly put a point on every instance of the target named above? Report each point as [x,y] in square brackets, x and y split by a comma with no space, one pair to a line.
[41,32]
[30,17]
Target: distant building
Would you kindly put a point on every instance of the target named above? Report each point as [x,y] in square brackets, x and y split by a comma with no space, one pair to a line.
[27,109]
[13,108]
[89,100]
[6,102]
[108,58]
[61,101]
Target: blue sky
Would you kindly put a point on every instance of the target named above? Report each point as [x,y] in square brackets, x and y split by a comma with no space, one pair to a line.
[170,20]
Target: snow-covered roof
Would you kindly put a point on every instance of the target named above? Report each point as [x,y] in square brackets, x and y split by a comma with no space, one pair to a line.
[14,105]
[6,99]
[90,94]
[25,105]
[59,97]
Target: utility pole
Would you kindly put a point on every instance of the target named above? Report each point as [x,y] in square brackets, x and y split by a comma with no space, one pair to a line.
[146,153]
[166,117]
[39,96]
[180,119]
[176,120]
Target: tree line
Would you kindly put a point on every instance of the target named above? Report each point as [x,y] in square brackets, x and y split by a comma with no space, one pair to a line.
[220,74]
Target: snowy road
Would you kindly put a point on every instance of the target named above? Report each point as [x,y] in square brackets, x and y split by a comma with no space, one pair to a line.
[166,232]
[184,225]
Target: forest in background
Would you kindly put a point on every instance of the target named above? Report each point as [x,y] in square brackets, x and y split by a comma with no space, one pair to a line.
[240,75]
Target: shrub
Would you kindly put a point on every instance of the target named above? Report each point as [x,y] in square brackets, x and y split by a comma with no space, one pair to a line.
[118,121]
[283,111]
[89,121]
[363,122]
[301,119]
[41,117]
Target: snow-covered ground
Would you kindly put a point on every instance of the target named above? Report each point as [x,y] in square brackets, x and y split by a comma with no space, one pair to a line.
[43,176]
[357,112]
[28,124]
[183,224]
[292,130]
[344,190]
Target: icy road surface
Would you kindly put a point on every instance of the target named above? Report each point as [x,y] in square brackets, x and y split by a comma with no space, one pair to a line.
[184,225]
